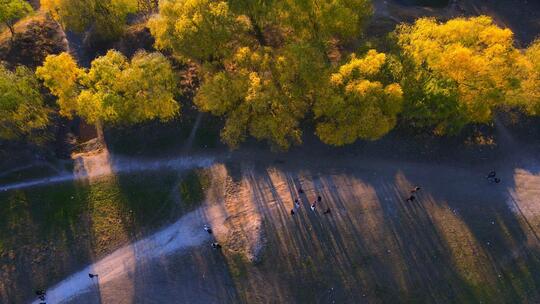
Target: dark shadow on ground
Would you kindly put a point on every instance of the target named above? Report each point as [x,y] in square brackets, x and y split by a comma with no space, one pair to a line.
[459,242]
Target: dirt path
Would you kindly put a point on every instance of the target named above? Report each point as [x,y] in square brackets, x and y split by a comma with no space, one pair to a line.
[99,165]
[121,264]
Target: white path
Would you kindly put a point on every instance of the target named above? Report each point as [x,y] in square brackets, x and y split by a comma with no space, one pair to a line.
[119,165]
[185,233]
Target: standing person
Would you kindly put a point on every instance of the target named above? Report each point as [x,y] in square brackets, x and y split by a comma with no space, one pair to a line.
[313,206]
[296,204]
[292,211]
[319,198]
[41,294]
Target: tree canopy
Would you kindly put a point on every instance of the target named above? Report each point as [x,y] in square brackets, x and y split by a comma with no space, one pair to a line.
[459,71]
[263,67]
[13,10]
[115,89]
[362,104]
[200,30]
[529,96]
[107,18]
[22,109]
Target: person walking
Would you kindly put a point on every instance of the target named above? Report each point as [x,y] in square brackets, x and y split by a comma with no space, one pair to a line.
[296,204]
[92,275]
[411,198]
[208,229]
[292,211]
[319,198]
[216,245]
[40,293]
[313,206]
[415,189]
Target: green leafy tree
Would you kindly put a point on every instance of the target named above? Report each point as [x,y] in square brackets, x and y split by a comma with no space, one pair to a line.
[114,90]
[22,109]
[107,18]
[459,71]
[11,11]
[323,20]
[363,103]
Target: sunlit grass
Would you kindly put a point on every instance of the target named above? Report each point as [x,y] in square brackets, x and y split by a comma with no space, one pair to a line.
[20,26]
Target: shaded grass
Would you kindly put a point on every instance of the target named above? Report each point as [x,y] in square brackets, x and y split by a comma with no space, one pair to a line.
[156,137]
[192,187]
[238,266]
[47,232]
[25,174]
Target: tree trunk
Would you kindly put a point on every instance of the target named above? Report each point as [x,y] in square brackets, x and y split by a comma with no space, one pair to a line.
[259,35]
[99,130]
[12,30]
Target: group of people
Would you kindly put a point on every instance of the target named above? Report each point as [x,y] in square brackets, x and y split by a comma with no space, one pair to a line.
[492,177]
[313,205]
[412,197]
[40,293]
[215,245]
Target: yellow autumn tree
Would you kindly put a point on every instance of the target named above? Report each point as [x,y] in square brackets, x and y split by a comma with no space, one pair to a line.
[257,96]
[461,70]
[60,74]
[114,89]
[263,63]
[363,103]
[529,97]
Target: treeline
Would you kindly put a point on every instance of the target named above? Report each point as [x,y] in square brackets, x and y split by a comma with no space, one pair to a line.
[268,67]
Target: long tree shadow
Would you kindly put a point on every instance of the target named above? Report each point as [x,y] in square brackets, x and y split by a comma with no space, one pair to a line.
[499,268]
[458,242]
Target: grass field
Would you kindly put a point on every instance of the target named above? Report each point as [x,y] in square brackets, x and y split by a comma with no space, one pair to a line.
[48,231]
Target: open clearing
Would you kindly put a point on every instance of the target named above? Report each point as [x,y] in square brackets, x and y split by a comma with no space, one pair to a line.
[463,240]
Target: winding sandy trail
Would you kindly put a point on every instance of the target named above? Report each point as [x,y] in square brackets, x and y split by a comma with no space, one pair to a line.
[183,234]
